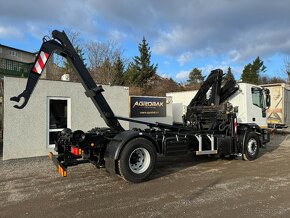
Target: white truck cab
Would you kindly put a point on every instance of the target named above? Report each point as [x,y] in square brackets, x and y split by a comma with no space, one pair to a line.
[250,103]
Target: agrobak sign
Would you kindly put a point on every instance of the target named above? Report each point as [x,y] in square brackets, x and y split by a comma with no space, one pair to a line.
[141,106]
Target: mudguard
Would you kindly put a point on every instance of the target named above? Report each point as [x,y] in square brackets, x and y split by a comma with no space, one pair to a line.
[118,142]
[243,129]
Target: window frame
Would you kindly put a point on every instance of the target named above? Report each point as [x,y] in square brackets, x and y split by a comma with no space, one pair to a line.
[51,146]
[13,53]
[256,90]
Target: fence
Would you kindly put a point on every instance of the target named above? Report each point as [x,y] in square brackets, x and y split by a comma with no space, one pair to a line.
[14,68]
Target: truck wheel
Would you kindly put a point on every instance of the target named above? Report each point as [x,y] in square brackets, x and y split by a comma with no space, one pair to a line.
[251,146]
[137,160]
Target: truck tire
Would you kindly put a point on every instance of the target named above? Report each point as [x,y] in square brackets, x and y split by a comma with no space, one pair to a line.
[251,146]
[137,160]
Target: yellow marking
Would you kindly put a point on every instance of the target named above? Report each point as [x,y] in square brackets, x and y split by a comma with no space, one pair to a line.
[50,155]
[92,144]
[64,173]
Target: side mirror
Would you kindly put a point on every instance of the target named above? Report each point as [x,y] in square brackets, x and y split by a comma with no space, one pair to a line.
[268,100]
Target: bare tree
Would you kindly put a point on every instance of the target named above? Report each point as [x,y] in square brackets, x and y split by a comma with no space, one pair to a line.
[101,58]
[58,65]
[287,67]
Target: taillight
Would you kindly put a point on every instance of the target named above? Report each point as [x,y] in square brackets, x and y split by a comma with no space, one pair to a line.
[76,151]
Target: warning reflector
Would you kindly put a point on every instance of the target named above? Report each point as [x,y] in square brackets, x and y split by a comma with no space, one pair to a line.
[40,63]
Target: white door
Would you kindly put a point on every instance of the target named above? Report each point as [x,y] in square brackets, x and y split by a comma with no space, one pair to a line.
[59,117]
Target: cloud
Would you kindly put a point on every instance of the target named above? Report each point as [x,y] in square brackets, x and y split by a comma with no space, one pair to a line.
[238,30]
[164,75]
[182,75]
[232,28]
[9,32]
[117,35]
[184,58]
[236,70]
[31,18]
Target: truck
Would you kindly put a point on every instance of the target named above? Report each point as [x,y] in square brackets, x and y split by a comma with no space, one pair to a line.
[278,114]
[209,127]
[248,102]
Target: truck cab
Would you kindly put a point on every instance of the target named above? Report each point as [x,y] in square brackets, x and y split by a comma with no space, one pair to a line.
[251,103]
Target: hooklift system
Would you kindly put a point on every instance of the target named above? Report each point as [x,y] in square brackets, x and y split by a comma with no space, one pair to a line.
[209,128]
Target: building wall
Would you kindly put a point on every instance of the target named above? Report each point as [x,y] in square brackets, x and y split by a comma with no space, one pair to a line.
[16,55]
[180,100]
[25,131]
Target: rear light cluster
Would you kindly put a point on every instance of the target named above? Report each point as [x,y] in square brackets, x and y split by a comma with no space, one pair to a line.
[76,151]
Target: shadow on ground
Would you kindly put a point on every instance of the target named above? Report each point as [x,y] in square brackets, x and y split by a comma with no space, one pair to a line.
[275,141]
[169,165]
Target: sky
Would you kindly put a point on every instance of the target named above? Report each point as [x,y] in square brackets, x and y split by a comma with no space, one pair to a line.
[182,34]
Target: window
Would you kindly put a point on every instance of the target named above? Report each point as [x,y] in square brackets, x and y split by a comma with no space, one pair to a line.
[257,97]
[59,117]
[13,53]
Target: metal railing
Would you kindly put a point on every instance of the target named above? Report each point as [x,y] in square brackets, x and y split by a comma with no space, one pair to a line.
[14,68]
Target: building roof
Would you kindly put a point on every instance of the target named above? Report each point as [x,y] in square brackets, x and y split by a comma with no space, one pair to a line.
[5,46]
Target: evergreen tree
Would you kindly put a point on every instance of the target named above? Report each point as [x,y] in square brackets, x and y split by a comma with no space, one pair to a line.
[251,72]
[195,76]
[131,74]
[229,75]
[145,70]
[80,52]
[118,72]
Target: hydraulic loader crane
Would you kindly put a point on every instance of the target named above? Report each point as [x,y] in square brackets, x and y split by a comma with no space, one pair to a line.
[210,125]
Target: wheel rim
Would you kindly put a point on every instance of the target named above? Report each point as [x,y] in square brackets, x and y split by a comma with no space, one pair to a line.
[252,146]
[139,160]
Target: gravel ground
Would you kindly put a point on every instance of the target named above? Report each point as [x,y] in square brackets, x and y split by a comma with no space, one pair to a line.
[182,186]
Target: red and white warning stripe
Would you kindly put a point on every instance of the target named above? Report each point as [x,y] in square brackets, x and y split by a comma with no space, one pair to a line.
[235,126]
[39,64]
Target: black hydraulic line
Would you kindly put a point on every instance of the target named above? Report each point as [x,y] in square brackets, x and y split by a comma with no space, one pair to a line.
[199,98]
[219,93]
[216,88]
[156,124]
[61,44]
[228,90]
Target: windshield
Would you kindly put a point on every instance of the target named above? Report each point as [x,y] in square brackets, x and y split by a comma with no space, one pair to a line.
[257,97]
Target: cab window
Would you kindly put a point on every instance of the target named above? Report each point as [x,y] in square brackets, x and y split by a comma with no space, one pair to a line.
[257,97]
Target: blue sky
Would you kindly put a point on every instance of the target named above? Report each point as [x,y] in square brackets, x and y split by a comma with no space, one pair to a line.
[182,34]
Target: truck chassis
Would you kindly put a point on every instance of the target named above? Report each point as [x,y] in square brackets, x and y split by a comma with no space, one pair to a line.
[209,127]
